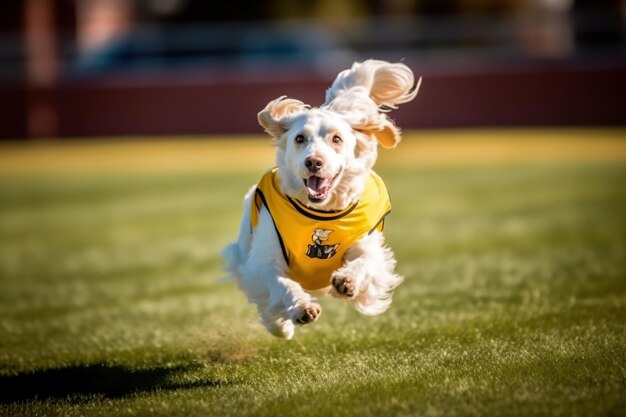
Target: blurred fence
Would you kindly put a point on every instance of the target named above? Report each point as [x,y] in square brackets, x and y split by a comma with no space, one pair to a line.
[530,69]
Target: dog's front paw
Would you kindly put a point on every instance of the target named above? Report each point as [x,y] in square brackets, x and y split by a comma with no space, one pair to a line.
[344,285]
[308,313]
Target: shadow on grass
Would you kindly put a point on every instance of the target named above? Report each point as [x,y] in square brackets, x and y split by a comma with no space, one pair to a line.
[86,382]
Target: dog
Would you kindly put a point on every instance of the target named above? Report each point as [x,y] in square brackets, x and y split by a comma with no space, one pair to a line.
[313,225]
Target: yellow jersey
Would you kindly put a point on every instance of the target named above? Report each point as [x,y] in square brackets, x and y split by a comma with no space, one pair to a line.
[313,242]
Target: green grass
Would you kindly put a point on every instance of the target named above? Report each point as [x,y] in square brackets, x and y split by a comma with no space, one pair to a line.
[514,300]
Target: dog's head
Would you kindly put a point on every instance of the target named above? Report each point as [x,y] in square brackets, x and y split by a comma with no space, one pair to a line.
[322,153]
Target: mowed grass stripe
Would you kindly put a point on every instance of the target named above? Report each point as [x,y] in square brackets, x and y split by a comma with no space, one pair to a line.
[216,154]
[512,304]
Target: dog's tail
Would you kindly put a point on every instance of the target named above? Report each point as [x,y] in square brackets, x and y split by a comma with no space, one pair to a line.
[233,260]
[387,84]
[235,253]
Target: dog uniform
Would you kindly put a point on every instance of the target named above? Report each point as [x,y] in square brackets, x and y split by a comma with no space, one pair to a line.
[313,242]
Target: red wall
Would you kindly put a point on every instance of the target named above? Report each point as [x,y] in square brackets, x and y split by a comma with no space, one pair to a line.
[205,104]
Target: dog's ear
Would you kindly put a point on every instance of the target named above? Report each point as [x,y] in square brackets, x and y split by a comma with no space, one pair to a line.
[388,84]
[382,128]
[387,134]
[362,113]
[277,115]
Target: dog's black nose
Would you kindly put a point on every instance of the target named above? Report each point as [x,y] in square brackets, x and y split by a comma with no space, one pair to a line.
[313,164]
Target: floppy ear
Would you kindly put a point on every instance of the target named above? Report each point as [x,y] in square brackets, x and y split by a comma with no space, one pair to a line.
[383,129]
[277,115]
[362,113]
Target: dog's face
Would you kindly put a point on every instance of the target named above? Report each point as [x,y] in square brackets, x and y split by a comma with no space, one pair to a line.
[317,149]
[323,153]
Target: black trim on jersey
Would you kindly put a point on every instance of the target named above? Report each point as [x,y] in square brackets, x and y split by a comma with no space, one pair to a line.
[382,220]
[316,210]
[304,212]
[280,238]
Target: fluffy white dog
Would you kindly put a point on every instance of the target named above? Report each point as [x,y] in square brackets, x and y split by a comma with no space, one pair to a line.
[313,225]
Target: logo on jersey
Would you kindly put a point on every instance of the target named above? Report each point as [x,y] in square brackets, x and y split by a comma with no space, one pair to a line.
[319,250]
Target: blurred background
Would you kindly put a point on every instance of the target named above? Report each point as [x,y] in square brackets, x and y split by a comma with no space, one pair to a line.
[162,67]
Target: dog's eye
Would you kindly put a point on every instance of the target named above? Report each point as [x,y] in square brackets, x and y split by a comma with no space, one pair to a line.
[337,139]
[300,139]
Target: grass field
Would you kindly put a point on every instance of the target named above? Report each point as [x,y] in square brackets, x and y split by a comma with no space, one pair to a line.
[513,244]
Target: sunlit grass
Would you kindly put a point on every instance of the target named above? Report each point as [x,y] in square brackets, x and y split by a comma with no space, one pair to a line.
[513,302]
[217,154]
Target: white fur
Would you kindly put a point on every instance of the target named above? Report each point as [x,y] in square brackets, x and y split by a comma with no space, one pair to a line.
[354,111]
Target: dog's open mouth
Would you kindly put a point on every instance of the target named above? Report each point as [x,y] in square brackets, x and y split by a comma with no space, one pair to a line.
[318,187]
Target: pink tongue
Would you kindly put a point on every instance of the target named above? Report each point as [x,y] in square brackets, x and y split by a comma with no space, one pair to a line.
[316,184]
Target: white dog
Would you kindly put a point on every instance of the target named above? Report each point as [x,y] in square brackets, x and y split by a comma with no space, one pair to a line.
[313,225]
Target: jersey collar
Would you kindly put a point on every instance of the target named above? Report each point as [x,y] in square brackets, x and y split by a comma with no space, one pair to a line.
[320,214]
